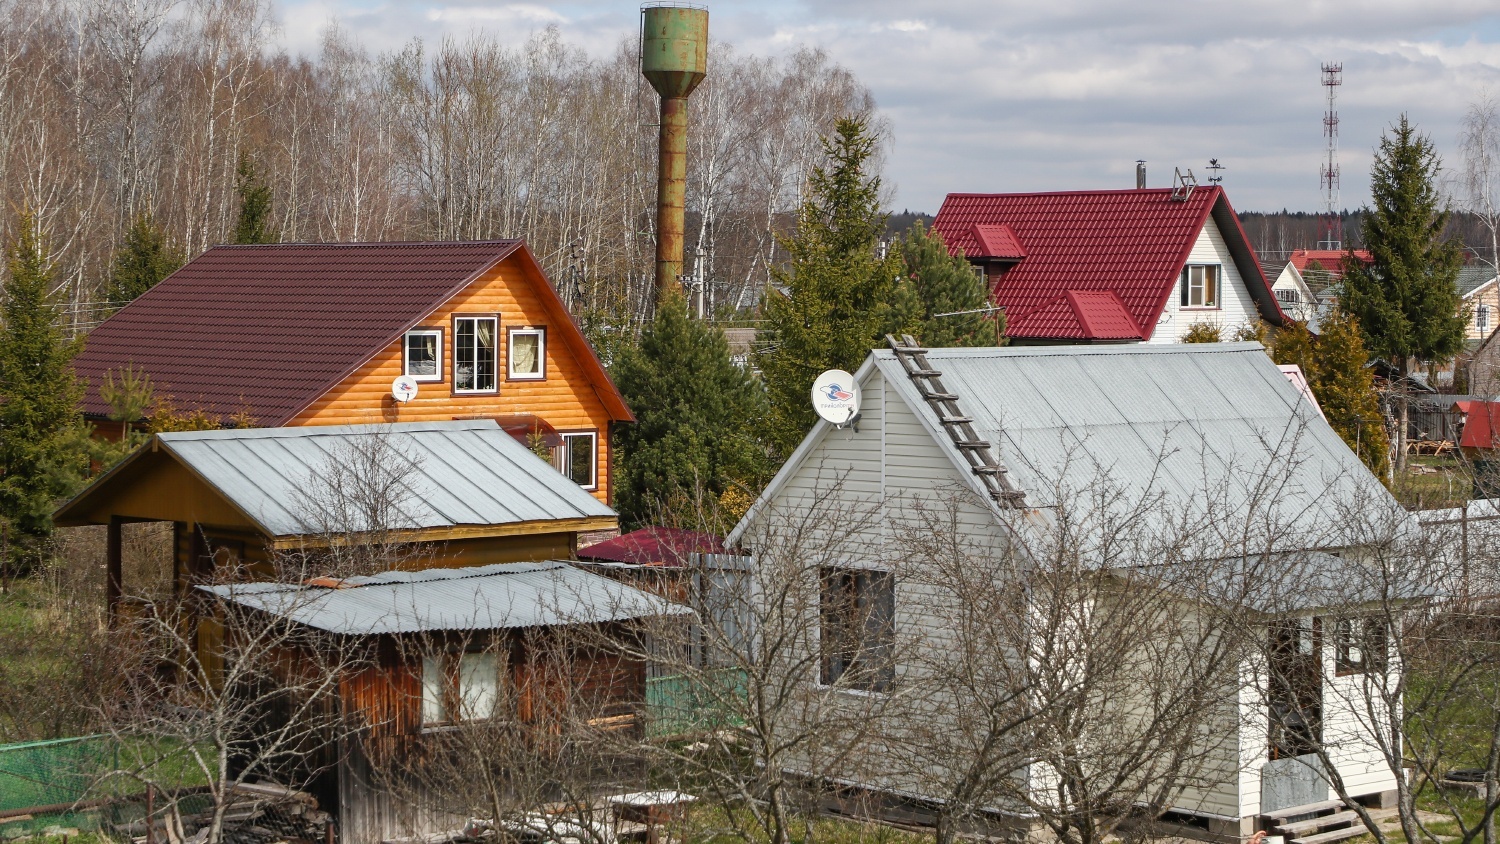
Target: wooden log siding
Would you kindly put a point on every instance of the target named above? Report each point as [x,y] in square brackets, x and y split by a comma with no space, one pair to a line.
[565,398]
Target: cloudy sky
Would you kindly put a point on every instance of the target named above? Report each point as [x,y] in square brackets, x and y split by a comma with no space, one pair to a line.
[1017,95]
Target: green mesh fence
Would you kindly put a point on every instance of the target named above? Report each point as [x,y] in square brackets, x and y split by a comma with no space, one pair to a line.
[682,704]
[46,773]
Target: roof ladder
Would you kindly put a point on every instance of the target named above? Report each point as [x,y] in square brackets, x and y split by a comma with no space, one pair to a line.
[929,383]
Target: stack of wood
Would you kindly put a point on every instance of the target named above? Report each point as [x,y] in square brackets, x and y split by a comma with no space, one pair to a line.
[257,813]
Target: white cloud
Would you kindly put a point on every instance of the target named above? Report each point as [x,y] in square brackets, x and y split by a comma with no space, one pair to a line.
[512,14]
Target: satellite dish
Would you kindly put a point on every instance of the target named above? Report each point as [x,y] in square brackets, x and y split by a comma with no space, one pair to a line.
[404,389]
[835,397]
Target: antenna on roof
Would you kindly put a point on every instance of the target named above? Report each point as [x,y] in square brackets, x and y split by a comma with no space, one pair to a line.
[1217,170]
[1182,185]
[835,397]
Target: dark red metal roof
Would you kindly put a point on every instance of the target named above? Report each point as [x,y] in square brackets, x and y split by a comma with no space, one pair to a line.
[268,329]
[1132,243]
[1331,260]
[1086,314]
[653,546]
[996,241]
[1481,424]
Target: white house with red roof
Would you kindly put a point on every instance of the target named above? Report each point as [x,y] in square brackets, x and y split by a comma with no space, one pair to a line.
[1111,266]
[1303,283]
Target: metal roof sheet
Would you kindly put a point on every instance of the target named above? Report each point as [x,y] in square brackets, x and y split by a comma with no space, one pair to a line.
[1131,242]
[1201,425]
[494,597]
[468,472]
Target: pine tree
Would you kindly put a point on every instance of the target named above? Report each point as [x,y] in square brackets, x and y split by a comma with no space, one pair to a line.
[254,223]
[1406,302]
[1336,366]
[839,298]
[695,411]
[144,258]
[43,442]
[947,284]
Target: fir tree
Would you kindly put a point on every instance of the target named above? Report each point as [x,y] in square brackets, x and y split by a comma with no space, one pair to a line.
[1336,366]
[144,258]
[43,442]
[254,223]
[695,411]
[838,297]
[1406,302]
[947,284]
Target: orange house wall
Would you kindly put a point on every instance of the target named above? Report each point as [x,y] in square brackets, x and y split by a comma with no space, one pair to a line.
[565,399]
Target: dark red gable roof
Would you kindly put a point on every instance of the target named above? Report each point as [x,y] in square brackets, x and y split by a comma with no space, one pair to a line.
[1331,260]
[1132,243]
[268,329]
[653,546]
[1085,314]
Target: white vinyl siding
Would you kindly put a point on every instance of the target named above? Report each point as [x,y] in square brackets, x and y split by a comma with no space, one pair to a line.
[1235,307]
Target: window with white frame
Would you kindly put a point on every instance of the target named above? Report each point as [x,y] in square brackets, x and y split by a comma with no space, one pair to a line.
[1482,318]
[460,687]
[527,353]
[423,354]
[577,458]
[1288,295]
[474,354]
[1200,286]
[857,610]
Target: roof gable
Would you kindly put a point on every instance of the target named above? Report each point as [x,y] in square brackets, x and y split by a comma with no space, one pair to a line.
[268,329]
[1133,243]
[997,241]
[456,474]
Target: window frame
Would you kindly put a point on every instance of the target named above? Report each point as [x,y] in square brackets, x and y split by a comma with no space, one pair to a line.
[451,700]
[406,355]
[1482,318]
[560,456]
[479,391]
[1372,641]
[845,666]
[1215,302]
[538,331]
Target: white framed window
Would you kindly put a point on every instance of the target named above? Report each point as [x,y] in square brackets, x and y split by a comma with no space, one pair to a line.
[475,355]
[526,354]
[1289,296]
[1482,318]
[857,628]
[578,458]
[422,354]
[460,687]
[1200,285]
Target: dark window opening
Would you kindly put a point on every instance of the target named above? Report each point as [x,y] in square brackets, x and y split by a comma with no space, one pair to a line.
[857,631]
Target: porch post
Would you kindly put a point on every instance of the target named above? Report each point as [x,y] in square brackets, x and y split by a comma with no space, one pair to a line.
[114,584]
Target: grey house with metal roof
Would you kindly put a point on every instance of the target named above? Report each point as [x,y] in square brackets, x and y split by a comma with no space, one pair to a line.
[1209,446]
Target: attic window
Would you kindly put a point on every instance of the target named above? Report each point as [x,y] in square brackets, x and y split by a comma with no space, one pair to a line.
[1288,296]
[423,354]
[474,354]
[527,354]
[1200,286]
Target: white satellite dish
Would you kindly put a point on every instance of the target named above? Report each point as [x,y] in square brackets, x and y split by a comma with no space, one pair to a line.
[404,389]
[835,397]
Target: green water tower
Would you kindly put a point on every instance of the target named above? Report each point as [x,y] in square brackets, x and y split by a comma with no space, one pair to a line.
[674,58]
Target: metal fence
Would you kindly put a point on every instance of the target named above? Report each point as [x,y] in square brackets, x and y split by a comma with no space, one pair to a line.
[53,773]
[682,704]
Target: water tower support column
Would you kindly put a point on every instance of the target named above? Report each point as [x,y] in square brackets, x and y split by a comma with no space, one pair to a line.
[671,192]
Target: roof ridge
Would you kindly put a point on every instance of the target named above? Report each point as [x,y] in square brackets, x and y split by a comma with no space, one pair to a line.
[348,244]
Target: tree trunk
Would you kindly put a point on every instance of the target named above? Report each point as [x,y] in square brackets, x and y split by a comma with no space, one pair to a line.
[1403,407]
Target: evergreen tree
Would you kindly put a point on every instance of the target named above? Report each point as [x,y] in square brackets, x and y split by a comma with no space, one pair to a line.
[1406,302]
[254,223]
[43,441]
[947,284]
[838,298]
[144,258]
[695,412]
[1336,366]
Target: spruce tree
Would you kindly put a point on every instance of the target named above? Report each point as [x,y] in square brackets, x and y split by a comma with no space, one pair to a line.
[254,223]
[1336,366]
[695,411]
[947,284]
[43,442]
[1406,302]
[837,297]
[144,258]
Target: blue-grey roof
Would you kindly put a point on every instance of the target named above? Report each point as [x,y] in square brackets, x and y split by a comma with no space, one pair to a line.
[495,597]
[448,474]
[1214,431]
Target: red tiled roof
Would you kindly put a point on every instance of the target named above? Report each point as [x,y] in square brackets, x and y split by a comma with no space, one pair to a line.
[653,546]
[1080,314]
[1132,243]
[269,329]
[1332,260]
[996,242]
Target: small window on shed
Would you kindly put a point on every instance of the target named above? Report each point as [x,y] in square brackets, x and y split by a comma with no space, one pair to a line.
[435,690]
[1359,645]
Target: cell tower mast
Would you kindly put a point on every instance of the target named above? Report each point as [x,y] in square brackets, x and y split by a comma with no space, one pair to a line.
[1331,229]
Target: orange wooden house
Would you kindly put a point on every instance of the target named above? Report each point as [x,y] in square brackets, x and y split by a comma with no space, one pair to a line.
[315,334]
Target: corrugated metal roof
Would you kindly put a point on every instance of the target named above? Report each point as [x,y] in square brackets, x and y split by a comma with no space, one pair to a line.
[1189,423]
[1130,242]
[468,472]
[495,597]
[1292,582]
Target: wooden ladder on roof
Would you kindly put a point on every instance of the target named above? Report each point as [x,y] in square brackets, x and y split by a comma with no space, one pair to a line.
[929,383]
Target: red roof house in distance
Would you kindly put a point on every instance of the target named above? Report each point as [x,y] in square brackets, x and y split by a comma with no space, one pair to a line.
[314,334]
[1110,266]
